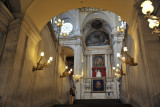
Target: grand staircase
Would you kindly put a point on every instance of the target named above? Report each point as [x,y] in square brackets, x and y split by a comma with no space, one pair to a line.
[95,103]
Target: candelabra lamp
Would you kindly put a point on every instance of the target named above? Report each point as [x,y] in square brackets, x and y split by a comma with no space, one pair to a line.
[40,65]
[118,72]
[77,77]
[154,21]
[126,58]
[66,73]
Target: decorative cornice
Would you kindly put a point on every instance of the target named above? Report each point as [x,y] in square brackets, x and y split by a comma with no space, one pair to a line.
[100,50]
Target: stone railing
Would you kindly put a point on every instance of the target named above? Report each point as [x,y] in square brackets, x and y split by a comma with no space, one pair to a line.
[111,87]
[88,84]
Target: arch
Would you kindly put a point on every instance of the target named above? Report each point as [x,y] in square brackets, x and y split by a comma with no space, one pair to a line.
[68,51]
[99,15]
[41,11]
[106,26]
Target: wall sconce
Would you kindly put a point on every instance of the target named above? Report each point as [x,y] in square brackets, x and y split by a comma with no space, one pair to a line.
[40,66]
[154,21]
[77,77]
[118,72]
[127,59]
[66,72]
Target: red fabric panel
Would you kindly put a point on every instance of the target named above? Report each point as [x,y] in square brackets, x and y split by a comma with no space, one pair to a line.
[101,69]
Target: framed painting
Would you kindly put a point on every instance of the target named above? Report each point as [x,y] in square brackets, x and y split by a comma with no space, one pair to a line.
[98,61]
[98,85]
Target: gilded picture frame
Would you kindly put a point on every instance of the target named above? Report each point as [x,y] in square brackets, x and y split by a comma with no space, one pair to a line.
[98,85]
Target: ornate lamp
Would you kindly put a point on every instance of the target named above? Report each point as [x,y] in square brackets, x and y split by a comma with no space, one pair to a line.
[40,66]
[126,58]
[154,21]
[118,72]
[66,72]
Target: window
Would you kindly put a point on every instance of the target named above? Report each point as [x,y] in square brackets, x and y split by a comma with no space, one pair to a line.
[67,28]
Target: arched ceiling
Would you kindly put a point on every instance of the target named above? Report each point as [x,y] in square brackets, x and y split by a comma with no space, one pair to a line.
[68,51]
[41,11]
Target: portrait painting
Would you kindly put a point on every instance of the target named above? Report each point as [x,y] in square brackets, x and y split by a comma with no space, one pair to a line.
[98,85]
[98,61]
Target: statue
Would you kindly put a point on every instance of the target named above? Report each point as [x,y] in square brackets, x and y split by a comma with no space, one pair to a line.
[98,73]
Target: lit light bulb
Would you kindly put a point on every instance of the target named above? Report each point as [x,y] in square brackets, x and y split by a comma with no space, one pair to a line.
[123,58]
[51,58]
[147,7]
[59,20]
[117,70]
[117,65]
[71,69]
[42,54]
[66,67]
[119,18]
[118,55]
[125,49]
[153,23]
[69,72]
[114,68]
[118,29]
[55,22]
[48,61]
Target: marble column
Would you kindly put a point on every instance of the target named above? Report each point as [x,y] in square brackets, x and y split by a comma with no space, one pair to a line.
[90,68]
[88,64]
[78,59]
[106,64]
[109,65]
[116,42]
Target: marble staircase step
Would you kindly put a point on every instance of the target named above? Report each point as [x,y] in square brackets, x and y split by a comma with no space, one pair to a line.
[95,103]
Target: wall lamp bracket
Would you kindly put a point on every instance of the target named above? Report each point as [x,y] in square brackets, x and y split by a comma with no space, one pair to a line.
[66,72]
[127,59]
[154,21]
[118,72]
[40,66]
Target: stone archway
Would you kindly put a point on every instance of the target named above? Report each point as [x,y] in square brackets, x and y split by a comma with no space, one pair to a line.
[40,12]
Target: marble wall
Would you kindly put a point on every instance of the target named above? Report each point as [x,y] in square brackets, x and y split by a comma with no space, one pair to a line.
[140,87]
[20,86]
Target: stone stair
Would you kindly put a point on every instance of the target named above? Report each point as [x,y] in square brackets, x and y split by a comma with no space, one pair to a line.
[95,103]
